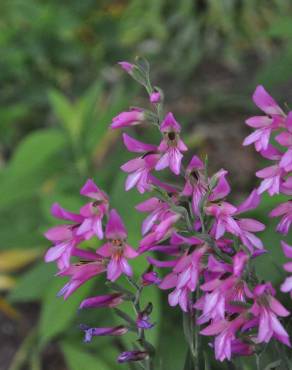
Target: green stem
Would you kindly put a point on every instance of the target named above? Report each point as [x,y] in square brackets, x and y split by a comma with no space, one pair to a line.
[21,355]
[141,332]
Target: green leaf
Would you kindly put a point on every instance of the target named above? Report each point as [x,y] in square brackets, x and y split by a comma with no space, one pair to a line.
[34,151]
[57,314]
[78,359]
[30,285]
[29,166]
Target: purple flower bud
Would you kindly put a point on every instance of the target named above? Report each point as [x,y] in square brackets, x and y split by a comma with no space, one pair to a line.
[155,97]
[110,300]
[94,332]
[132,356]
[126,119]
[128,67]
[150,278]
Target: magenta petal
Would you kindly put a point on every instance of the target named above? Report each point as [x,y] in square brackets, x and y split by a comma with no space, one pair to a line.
[129,252]
[259,121]
[288,122]
[287,249]
[265,102]
[59,212]
[125,267]
[169,281]
[137,146]
[105,250]
[170,124]
[89,189]
[148,205]
[115,228]
[215,328]
[55,252]
[113,270]
[278,308]
[195,163]
[284,138]
[59,233]
[222,189]
[250,203]
[163,162]
[250,224]
[287,285]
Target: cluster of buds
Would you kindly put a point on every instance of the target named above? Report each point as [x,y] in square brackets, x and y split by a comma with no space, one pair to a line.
[191,230]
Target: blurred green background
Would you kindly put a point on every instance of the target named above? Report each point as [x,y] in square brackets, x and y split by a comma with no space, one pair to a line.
[60,88]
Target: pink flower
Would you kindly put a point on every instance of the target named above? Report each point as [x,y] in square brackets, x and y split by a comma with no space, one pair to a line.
[125,119]
[220,293]
[116,248]
[139,169]
[64,239]
[80,273]
[184,278]
[158,209]
[171,146]
[226,342]
[284,210]
[264,124]
[224,221]
[287,285]
[266,308]
[195,184]
[272,178]
[92,212]
[159,232]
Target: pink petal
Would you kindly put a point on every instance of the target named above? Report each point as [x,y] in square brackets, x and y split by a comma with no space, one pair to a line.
[265,102]
[137,146]
[115,228]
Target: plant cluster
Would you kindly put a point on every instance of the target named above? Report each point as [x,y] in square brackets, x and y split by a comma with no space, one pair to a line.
[206,245]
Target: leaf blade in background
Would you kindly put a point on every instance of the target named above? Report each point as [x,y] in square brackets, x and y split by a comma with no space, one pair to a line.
[57,314]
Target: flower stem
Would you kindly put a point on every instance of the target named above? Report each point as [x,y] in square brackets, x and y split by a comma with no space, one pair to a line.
[141,332]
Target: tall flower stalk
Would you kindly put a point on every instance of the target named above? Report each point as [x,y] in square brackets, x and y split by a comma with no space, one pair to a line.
[198,245]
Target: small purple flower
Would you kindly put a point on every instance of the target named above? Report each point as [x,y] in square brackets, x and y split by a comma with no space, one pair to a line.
[184,278]
[155,97]
[130,356]
[171,146]
[149,278]
[143,321]
[128,67]
[130,118]
[116,248]
[97,332]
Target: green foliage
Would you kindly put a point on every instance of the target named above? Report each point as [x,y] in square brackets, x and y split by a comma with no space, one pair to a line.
[57,315]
